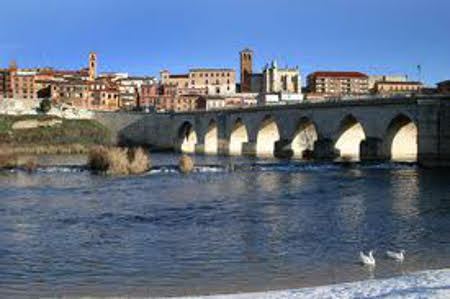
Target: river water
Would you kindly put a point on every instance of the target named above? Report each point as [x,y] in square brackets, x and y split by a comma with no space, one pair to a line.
[266,225]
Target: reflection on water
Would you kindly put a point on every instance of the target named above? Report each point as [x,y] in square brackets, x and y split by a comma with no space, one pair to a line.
[267,226]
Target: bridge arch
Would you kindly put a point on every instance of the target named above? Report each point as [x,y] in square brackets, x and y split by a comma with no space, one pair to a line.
[211,138]
[238,136]
[268,135]
[187,137]
[304,139]
[400,141]
[348,137]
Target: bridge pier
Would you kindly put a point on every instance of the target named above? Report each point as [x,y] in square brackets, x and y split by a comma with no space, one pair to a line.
[372,149]
[223,148]
[249,149]
[283,149]
[200,149]
[324,149]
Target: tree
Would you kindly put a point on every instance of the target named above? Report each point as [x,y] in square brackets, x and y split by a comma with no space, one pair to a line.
[45,105]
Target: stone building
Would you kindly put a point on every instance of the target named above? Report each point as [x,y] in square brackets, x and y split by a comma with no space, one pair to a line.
[215,81]
[246,63]
[337,83]
[395,87]
[274,84]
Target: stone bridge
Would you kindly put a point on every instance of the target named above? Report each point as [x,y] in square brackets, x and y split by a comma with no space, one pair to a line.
[383,129]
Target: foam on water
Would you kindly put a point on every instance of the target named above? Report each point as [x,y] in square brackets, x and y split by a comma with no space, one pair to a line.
[427,284]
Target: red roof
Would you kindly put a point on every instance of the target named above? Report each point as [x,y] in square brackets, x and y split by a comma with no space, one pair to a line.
[339,74]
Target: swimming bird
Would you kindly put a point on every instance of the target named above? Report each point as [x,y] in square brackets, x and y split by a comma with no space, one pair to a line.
[367,259]
[398,256]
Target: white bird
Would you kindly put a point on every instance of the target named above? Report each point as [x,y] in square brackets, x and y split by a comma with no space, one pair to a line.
[367,259]
[398,256]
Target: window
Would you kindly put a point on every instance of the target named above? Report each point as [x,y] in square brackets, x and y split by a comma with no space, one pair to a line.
[206,82]
[217,90]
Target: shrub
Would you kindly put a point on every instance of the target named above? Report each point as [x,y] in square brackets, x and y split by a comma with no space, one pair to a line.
[118,161]
[45,105]
[31,165]
[140,161]
[186,164]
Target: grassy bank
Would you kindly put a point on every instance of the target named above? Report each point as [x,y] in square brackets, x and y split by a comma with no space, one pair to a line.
[68,137]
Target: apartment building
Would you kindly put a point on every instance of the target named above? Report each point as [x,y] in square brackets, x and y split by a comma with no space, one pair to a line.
[338,83]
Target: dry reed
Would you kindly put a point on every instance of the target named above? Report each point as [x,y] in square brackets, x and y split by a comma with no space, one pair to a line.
[186,164]
[118,161]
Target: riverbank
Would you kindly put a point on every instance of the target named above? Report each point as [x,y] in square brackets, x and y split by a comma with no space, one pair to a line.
[47,135]
[427,284]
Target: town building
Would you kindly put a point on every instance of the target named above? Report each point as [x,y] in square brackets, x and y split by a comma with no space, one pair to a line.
[5,84]
[246,63]
[444,87]
[130,88]
[92,65]
[396,87]
[73,92]
[22,83]
[215,81]
[103,95]
[170,97]
[385,78]
[275,85]
[328,83]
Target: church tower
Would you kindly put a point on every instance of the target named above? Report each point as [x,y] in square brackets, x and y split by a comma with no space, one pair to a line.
[92,65]
[246,70]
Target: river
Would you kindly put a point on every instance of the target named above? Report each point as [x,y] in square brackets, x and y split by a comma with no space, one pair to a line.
[266,225]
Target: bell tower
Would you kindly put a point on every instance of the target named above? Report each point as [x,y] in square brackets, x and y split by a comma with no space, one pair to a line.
[246,70]
[92,65]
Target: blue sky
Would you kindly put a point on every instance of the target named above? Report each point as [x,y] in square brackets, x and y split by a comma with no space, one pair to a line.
[145,36]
